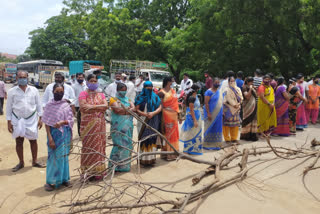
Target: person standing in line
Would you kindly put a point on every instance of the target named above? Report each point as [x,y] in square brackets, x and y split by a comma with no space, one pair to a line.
[225,82]
[79,87]
[209,81]
[231,112]
[273,82]
[58,119]
[23,110]
[139,84]
[121,130]
[124,78]
[239,80]
[313,101]
[68,91]
[186,83]
[3,95]
[93,105]
[170,117]
[131,92]
[213,117]
[111,90]
[267,116]
[249,130]
[282,109]
[257,79]
[301,111]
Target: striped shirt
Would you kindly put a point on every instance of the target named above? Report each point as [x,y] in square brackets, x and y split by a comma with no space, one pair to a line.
[257,81]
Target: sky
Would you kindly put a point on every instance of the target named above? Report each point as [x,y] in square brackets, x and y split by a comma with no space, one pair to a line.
[19,17]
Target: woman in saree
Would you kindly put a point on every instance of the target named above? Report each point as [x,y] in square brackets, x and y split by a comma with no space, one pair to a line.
[282,109]
[213,111]
[301,110]
[249,130]
[170,116]
[312,109]
[93,130]
[191,130]
[148,106]
[231,111]
[267,116]
[121,130]
[58,118]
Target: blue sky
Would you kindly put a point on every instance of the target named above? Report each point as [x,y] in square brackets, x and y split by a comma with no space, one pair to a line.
[19,17]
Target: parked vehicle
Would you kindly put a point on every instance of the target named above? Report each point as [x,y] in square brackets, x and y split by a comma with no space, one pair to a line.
[82,66]
[8,72]
[47,77]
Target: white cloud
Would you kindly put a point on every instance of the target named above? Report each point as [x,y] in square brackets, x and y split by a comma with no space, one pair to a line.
[19,17]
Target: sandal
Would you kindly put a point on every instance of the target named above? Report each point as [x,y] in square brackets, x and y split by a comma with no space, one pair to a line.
[38,165]
[49,187]
[67,184]
[18,167]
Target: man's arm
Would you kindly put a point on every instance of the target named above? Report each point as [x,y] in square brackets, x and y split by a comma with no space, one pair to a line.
[9,112]
[45,98]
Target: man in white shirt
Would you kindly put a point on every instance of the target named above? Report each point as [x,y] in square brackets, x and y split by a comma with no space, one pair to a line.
[139,84]
[186,83]
[79,87]
[131,93]
[68,91]
[23,109]
[111,90]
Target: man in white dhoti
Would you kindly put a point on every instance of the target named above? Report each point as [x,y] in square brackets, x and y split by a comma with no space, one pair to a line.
[23,110]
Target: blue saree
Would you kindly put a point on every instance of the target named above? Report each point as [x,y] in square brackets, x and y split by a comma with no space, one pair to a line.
[58,159]
[121,134]
[213,129]
[189,135]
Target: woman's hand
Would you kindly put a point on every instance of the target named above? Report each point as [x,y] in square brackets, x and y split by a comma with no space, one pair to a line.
[150,115]
[52,144]
[271,106]
[209,117]
[59,124]
[196,124]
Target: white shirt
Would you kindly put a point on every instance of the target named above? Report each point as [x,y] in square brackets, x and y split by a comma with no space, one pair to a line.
[186,84]
[23,104]
[48,94]
[77,90]
[224,86]
[140,87]
[111,90]
[307,85]
[131,93]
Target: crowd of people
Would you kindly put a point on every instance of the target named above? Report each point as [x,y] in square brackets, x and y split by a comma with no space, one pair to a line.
[260,105]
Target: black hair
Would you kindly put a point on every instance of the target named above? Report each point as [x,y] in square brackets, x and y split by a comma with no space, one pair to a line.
[140,75]
[271,75]
[229,79]
[97,72]
[132,78]
[317,76]
[118,73]
[266,76]
[280,80]
[57,85]
[59,74]
[185,74]
[258,72]
[121,86]
[229,73]
[80,74]
[248,79]
[240,74]
[299,76]
[189,96]
[165,81]
[90,76]
[195,87]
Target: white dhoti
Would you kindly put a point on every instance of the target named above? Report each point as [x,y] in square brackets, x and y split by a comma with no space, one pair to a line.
[27,128]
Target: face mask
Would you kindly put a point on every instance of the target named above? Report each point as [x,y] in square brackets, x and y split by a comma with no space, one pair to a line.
[93,86]
[266,82]
[23,81]
[217,85]
[122,93]
[205,76]
[117,81]
[80,81]
[98,77]
[58,96]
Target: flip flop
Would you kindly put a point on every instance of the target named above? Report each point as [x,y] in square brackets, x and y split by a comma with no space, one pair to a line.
[38,165]
[67,184]
[48,187]
[18,167]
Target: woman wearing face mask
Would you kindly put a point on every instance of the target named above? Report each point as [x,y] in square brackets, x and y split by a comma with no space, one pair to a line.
[58,118]
[282,109]
[191,130]
[170,116]
[213,116]
[267,117]
[249,124]
[121,129]
[148,106]
[313,101]
[93,105]
[231,111]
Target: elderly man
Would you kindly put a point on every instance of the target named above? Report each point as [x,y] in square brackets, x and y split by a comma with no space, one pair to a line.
[23,109]
[68,91]
[111,90]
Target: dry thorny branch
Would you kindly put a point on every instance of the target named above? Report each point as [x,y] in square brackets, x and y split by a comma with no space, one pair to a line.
[118,195]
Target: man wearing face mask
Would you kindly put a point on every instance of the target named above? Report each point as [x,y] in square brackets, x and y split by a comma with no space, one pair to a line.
[209,80]
[111,90]
[79,87]
[23,110]
[68,91]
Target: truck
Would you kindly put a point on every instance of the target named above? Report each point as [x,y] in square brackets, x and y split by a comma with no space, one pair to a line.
[8,72]
[154,71]
[82,66]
